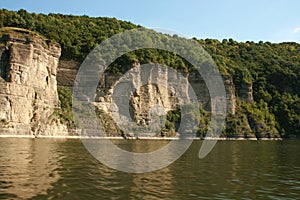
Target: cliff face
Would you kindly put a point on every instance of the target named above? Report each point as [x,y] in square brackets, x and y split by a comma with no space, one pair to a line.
[144,99]
[153,97]
[30,105]
[28,88]
[245,92]
[240,122]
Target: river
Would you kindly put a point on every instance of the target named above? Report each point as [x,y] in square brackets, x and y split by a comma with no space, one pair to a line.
[64,169]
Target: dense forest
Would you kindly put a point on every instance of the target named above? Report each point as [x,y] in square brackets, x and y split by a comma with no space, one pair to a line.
[272,69]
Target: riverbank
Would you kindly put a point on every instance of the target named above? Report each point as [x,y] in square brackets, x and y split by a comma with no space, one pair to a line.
[137,138]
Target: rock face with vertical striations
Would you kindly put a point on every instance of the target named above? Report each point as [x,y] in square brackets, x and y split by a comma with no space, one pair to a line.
[245,92]
[28,90]
[30,105]
[148,93]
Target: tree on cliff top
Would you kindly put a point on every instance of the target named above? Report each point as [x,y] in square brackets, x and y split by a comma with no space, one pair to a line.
[273,69]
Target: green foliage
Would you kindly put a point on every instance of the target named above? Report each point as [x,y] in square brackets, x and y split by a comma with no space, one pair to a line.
[273,69]
[204,122]
[237,125]
[65,113]
[172,123]
[77,35]
[261,121]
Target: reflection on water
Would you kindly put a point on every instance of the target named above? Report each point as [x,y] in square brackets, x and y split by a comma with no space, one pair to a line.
[150,185]
[28,167]
[63,169]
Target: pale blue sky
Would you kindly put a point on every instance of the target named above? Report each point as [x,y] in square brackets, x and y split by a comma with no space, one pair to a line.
[253,20]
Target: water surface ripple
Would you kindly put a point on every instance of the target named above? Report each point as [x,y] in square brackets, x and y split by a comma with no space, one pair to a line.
[63,169]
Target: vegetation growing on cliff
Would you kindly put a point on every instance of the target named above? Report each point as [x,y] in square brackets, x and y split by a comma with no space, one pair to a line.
[273,69]
[76,35]
[65,114]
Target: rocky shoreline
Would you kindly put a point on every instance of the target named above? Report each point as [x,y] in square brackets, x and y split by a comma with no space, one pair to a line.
[140,138]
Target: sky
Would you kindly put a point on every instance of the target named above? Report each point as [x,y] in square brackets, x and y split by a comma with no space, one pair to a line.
[242,20]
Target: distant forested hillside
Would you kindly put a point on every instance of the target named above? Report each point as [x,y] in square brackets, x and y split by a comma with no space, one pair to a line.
[272,69]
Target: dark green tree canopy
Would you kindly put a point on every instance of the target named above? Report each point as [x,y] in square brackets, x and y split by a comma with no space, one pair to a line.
[273,69]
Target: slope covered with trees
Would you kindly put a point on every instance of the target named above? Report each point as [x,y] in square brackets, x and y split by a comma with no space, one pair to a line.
[272,69]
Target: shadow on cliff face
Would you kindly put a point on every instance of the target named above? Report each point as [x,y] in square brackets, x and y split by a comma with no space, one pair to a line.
[4,60]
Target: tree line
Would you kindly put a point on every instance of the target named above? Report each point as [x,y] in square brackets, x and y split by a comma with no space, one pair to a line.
[273,69]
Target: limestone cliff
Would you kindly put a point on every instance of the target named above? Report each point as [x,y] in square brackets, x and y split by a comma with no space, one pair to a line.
[245,91]
[242,120]
[144,98]
[30,105]
[28,88]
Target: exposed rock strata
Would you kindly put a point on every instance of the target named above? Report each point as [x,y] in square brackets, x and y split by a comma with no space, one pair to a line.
[245,92]
[29,100]
[28,88]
